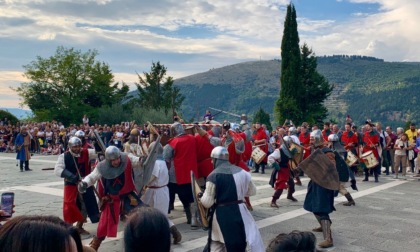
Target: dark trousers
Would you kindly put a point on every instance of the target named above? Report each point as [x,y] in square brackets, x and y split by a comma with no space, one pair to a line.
[184,192]
[26,165]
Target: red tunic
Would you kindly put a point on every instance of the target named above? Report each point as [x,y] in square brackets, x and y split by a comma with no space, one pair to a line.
[325,134]
[370,138]
[248,151]
[185,157]
[71,212]
[204,164]
[107,226]
[234,157]
[260,135]
[304,139]
[349,138]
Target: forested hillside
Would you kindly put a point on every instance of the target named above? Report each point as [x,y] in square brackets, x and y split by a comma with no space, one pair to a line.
[365,87]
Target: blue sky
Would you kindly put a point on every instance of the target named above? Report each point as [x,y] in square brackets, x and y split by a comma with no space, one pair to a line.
[194,36]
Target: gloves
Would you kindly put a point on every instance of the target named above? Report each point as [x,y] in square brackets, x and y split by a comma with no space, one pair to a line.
[69,176]
[353,185]
[276,166]
[82,186]
[200,131]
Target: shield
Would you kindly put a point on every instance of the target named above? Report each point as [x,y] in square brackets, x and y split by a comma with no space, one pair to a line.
[297,152]
[142,176]
[342,168]
[202,216]
[321,170]
[99,144]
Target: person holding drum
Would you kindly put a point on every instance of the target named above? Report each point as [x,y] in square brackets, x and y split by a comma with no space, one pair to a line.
[260,140]
[370,144]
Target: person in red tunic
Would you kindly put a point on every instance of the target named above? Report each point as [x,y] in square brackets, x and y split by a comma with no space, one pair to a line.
[182,151]
[260,140]
[304,138]
[117,191]
[371,143]
[349,140]
[73,165]
[326,131]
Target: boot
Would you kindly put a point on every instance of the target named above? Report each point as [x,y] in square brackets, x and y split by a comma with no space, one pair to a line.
[276,196]
[194,215]
[80,229]
[176,234]
[27,166]
[298,182]
[21,166]
[290,196]
[326,231]
[376,178]
[349,199]
[318,229]
[366,176]
[188,214]
[262,169]
[95,243]
[256,169]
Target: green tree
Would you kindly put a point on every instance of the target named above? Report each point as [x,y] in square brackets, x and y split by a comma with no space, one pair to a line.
[315,89]
[10,117]
[262,117]
[69,84]
[157,92]
[286,107]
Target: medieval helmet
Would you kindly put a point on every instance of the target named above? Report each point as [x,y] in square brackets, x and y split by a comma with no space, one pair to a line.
[234,126]
[134,132]
[112,153]
[177,129]
[288,139]
[80,134]
[317,136]
[292,130]
[216,131]
[75,141]
[220,152]
[333,138]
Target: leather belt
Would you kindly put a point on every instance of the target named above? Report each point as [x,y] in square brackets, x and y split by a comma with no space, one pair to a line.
[230,203]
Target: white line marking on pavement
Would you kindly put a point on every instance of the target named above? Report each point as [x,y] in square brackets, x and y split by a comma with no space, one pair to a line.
[201,242]
[31,160]
[40,189]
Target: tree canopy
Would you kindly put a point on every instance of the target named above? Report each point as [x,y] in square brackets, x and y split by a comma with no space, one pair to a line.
[69,84]
[157,92]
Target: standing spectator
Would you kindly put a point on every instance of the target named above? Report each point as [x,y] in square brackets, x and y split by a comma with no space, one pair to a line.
[384,140]
[41,137]
[390,151]
[107,136]
[48,136]
[416,150]
[411,134]
[23,142]
[85,120]
[401,146]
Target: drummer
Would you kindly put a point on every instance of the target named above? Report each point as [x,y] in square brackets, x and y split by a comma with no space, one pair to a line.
[349,140]
[371,143]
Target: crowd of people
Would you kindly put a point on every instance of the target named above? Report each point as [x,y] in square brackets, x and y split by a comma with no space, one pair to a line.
[141,168]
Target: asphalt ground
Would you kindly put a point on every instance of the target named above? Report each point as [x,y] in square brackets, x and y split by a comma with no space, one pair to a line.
[386,216]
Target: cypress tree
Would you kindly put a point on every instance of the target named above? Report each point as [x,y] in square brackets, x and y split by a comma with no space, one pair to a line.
[287,106]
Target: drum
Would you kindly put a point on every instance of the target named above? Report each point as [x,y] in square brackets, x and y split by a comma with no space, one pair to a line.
[369,159]
[351,158]
[258,155]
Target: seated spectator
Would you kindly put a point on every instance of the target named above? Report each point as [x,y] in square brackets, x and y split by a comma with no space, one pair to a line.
[56,149]
[147,230]
[3,146]
[36,233]
[47,150]
[296,241]
[11,148]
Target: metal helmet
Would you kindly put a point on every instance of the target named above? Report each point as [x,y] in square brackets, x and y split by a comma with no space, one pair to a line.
[177,129]
[134,132]
[288,139]
[75,141]
[333,138]
[112,153]
[317,136]
[234,126]
[244,119]
[80,134]
[292,130]
[220,152]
